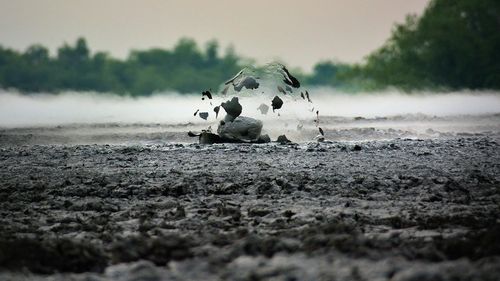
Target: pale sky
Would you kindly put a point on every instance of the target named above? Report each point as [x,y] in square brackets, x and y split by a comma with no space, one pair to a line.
[298,32]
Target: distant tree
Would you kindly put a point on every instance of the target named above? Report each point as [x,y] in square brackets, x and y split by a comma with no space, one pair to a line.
[185,68]
[212,53]
[74,56]
[324,73]
[454,44]
[37,54]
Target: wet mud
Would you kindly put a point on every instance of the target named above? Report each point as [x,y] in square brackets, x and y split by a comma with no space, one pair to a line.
[398,209]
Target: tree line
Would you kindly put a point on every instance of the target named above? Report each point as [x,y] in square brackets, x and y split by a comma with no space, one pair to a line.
[455,44]
[185,68]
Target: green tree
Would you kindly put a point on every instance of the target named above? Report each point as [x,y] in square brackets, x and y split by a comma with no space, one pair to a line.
[454,44]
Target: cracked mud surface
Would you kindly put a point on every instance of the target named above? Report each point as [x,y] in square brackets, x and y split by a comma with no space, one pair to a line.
[401,209]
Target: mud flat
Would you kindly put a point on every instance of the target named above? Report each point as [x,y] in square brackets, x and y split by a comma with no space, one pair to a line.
[398,209]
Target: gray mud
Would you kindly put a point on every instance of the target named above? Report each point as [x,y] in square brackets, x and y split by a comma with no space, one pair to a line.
[398,209]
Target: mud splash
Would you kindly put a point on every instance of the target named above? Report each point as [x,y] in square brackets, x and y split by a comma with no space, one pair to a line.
[256,84]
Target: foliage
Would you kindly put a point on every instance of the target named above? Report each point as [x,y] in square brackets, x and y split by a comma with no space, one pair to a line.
[455,44]
[186,69]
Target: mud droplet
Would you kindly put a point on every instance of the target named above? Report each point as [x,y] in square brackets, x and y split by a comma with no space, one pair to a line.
[207,94]
[277,103]
[232,107]
[203,115]
[289,79]
[280,89]
[263,108]
[216,110]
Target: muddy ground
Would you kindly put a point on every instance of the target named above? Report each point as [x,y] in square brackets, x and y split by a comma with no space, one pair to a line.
[397,209]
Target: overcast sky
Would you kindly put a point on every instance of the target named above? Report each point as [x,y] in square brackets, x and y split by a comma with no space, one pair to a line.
[299,32]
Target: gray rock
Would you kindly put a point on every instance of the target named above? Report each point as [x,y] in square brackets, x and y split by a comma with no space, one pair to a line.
[141,270]
[283,139]
[241,129]
[233,108]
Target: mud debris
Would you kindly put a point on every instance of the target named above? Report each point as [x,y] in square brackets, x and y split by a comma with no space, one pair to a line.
[307,96]
[263,108]
[203,115]
[281,90]
[276,103]
[289,79]
[248,83]
[165,211]
[232,107]
[283,139]
[207,94]
[216,110]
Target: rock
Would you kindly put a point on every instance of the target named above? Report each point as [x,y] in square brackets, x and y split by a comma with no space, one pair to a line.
[356,147]
[276,103]
[209,138]
[241,129]
[233,108]
[283,139]
[264,139]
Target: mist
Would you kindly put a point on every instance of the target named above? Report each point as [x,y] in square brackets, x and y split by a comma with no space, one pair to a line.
[17,110]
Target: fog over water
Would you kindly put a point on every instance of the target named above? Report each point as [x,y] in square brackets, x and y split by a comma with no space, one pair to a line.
[17,110]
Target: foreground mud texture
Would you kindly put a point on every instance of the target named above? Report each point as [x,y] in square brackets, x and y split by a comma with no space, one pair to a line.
[403,209]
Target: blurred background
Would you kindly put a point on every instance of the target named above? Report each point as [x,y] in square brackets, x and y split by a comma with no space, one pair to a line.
[142,47]
[105,61]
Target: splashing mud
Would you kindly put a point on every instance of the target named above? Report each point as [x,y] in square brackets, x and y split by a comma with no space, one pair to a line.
[82,118]
[272,85]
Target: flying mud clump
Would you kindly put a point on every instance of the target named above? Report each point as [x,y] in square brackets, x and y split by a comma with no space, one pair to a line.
[273,85]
